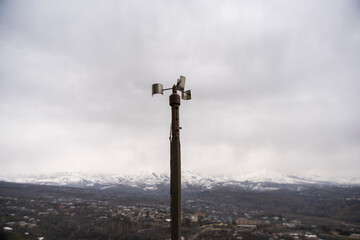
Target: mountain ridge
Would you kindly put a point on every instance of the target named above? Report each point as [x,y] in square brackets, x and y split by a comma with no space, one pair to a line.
[259,180]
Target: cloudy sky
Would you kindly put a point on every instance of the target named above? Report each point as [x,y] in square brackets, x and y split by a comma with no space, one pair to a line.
[275,85]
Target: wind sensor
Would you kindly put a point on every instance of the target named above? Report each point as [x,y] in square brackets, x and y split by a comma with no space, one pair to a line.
[175,155]
[158,88]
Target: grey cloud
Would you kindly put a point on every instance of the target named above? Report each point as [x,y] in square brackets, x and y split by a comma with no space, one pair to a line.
[275,85]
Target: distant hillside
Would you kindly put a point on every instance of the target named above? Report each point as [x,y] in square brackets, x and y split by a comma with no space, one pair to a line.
[333,202]
[263,180]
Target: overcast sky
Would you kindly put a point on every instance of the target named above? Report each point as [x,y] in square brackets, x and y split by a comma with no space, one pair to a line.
[275,85]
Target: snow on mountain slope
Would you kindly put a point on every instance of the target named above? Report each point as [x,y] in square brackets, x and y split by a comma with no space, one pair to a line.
[149,181]
[269,176]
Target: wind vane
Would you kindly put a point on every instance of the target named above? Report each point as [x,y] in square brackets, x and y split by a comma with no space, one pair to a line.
[157,88]
[175,155]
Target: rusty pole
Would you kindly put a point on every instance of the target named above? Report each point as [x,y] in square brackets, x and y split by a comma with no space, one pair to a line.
[175,167]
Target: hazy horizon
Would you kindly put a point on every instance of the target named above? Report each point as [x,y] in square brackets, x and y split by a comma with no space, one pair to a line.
[167,172]
[275,85]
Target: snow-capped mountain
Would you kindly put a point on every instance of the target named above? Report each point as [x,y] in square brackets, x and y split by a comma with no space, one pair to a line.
[260,180]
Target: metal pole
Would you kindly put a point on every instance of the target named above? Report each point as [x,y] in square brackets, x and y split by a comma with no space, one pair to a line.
[175,167]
